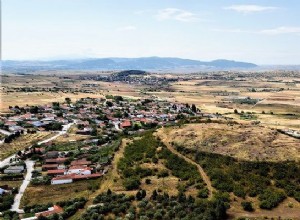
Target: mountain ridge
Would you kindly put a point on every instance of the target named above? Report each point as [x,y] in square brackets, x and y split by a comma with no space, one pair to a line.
[118,63]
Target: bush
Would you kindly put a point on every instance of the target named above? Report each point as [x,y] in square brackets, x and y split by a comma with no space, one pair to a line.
[271,198]
[247,206]
[131,183]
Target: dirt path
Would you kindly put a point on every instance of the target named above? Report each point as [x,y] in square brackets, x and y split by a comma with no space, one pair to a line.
[200,169]
[108,180]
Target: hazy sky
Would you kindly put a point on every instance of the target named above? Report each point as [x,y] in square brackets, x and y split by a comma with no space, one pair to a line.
[259,31]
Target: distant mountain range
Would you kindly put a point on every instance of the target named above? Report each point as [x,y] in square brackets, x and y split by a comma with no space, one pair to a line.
[146,63]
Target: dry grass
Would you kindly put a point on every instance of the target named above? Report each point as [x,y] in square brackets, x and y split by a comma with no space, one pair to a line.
[240,141]
[288,209]
[54,193]
[16,183]
[22,142]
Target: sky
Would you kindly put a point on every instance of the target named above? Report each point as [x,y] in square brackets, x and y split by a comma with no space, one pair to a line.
[258,31]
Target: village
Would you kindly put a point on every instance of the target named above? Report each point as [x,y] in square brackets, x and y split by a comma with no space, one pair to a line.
[101,121]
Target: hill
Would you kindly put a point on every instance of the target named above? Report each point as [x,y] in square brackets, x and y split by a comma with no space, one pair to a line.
[145,63]
[239,141]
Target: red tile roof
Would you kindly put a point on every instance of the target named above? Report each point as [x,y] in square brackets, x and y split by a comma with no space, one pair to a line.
[126,124]
[55,172]
[80,162]
[57,160]
[77,177]
[56,209]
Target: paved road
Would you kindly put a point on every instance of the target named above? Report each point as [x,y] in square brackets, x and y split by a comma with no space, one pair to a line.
[30,168]
[117,126]
[5,162]
[26,181]
[5,132]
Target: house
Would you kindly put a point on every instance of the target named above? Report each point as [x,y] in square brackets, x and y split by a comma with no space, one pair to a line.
[72,177]
[14,169]
[125,124]
[49,167]
[59,160]
[56,209]
[81,162]
[58,172]
[61,180]
[79,170]
[51,154]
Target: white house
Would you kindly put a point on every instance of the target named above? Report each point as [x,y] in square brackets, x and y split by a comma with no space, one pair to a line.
[79,170]
[61,180]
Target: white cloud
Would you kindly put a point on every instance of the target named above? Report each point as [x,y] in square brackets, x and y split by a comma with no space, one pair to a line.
[127,28]
[281,30]
[273,31]
[231,30]
[176,14]
[246,9]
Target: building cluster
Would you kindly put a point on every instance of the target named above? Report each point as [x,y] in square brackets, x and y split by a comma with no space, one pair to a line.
[89,114]
[61,170]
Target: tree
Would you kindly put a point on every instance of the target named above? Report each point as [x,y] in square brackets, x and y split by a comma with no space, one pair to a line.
[138,196]
[194,108]
[109,104]
[236,111]
[247,206]
[34,109]
[68,100]
[154,195]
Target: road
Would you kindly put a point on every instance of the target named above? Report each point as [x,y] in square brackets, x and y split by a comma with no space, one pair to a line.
[30,168]
[200,169]
[26,181]
[117,126]
[6,161]
[5,132]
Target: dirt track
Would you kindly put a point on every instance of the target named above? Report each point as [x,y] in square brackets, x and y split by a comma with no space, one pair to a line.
[200,169]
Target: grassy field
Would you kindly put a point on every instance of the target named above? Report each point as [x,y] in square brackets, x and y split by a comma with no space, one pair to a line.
[240,141]
[54,193]
[16,183]
[22,142]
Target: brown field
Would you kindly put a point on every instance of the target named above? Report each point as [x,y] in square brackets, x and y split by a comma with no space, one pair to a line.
[15,183]
[54,193]
[288,209]
[240,141]
[22,142]
[202,92]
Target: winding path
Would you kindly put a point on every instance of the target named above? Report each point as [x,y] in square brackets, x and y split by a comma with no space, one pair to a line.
[200,169]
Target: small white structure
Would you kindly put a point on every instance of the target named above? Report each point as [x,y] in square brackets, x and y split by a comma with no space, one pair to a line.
[2,191]
[61,180]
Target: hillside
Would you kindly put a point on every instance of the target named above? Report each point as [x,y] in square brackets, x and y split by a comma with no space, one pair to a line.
[146,63]
[239,141]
